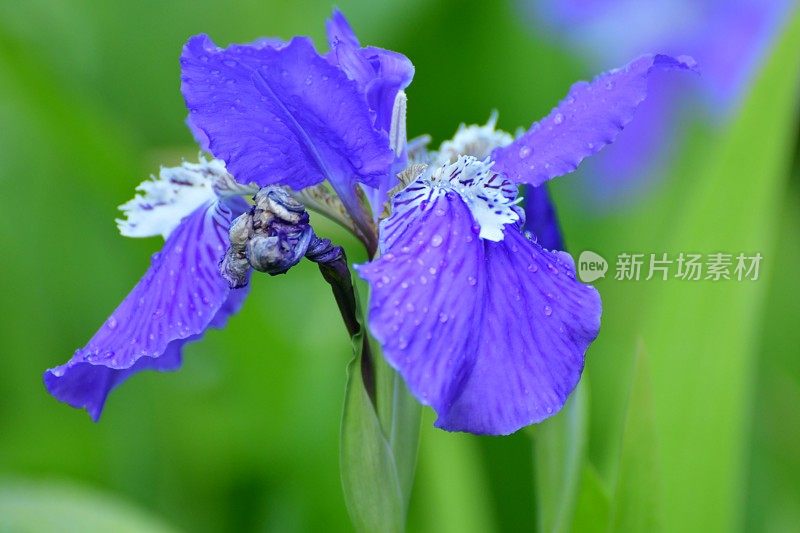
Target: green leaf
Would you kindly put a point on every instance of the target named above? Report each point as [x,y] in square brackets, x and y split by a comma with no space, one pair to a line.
[593,510]
[369,476]
[27,506]
[559,457]
[379,442]
[636,503]
[700,335]
[400,414]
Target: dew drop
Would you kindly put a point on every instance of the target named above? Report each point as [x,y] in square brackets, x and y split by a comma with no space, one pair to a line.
[309,80]
[436,240]
[432,270]
[440,212]
[548,310]
[410,307]
[111,323]
[442,317]
[533,268]
[558,119]
[472,281]
[524,152]
[423,280]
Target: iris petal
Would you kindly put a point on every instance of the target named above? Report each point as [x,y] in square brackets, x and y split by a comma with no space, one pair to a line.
[180,296]
[492,335]
[590,117]
[283,115]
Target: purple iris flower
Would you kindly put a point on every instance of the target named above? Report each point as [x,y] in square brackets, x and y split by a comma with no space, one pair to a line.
[727,37]
[484,323]
[278,113]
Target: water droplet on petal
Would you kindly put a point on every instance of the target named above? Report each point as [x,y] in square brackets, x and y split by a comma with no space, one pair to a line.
[443,317]
[524,152]
[558,119]
[533,267]
[111,323]
[436,240]
[472,281]
[548,310]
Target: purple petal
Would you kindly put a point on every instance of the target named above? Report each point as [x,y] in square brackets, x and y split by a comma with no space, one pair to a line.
[180,296]
[379,73]
[338,30]
[590,117]
[283,116]
[492,335]
[541,219]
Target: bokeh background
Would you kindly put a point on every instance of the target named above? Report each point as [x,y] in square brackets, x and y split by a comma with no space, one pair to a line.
[692,390]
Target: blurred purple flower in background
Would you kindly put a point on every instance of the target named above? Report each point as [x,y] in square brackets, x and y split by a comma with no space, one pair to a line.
[726,37]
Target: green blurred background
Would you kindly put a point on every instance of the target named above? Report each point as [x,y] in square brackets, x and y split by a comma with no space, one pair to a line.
[245,436]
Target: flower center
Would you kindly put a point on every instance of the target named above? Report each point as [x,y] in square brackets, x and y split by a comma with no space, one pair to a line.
[165,200]
[491,198]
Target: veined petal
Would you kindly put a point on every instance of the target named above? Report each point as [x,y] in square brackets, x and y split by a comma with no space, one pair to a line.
[537,323]
[422,298]
[590,117]
[490,334]
[283,116]
[180,296]
[491,198]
